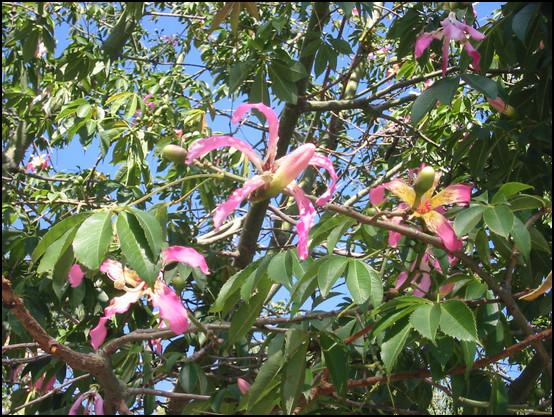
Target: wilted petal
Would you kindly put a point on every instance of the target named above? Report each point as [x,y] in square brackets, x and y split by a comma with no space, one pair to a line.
[236,198]
[459,194]
[438,224]
[474,33]
[243,385]
[171,308]
[204,146]
[324,162]
[307,213]
[185,255]
[76,275]
[446,289]
[423,286]
[272,121]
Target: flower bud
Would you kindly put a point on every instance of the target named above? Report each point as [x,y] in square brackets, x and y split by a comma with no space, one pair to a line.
[175,153]
[424,180]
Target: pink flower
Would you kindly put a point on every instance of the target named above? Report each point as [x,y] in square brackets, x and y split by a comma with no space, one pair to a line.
[170,305]
[243,385]
[423,276]
[426,206]
[275,176]
[76,275]
[93,399]
[38,162]
[452,29]
[502,107]
[39,386]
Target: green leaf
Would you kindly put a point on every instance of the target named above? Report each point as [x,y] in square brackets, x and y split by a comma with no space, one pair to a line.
[509,189]
[482,245]
[192,378]
[251,285]
[292,381]
[522,238]
[522,19]
[499,399]
[259,92]
[336,359]
[232,286]
[482,84]
[360,282]
[499,219]
[467,220]
[118,96]
[284,89]
[248,312]
[395,340]
[338,232]
[56,232]
[330,272]
[457,320]
[266,379]
[135,248]
[442,91]
[478,155]
[56,250]
[93,239]
[152,229]
[280,269]
[425,319]
[238,73]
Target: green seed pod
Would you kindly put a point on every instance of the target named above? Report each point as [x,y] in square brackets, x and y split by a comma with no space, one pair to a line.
[175,153]
[424,181]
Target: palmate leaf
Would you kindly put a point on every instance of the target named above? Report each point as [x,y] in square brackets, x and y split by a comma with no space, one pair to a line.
[394,342]
[457,320]
[425,319]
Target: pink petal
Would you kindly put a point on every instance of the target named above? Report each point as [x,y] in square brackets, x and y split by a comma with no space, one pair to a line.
[113,269]
[324,162]
[236,198]
[204,146]
[98,405]
[307,213]
[76,275]
[474,33]
[438,224]
[289,167]
[452,31]
[171,308]
[76,404]
[377,194]
[98,334]
[423,42]
[445,52]
[185,255]
[459,194]
[272,121]
[423,286]
[243,385]
[475,56]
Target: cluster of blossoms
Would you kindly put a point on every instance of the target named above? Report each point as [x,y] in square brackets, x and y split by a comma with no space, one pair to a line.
[452,29]
[275,176]
[163,297]
[38,162]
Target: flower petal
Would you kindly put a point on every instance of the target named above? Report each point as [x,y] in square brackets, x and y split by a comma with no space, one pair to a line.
[272,121]
[474,33]
[113,269]
[459,194]
[98,334]
[324,162]
[236,198]
[307,213]
[76,275]
[76,404]
[377,194]
[98,405]
[475,56]
[290,166]
[204,146]
[438,224]
[185,255]
[171,308]
[243,385]
[423,42]
[402,190]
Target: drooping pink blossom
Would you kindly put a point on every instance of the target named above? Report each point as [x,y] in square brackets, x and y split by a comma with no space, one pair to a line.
[452,30]
[170,305]
[426,206]
[502,107]
[94,400]
[275,176]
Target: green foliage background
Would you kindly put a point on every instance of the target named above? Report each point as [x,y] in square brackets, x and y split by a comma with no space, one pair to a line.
[343,76]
